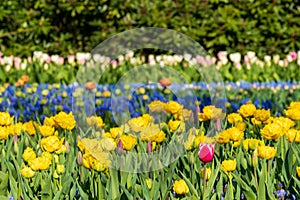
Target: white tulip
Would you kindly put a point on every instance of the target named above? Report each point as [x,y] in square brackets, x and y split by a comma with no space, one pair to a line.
[289,58]
[276,58]
[158,58]
[267,58]
[7,68]
[222,54]
[187,57]
[235,57]
[178,58]
[46,66]
[224,60]
[37,55]
[251,54]
[23,65]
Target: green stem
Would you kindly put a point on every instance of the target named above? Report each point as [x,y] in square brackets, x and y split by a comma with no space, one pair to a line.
[230,185]
[99,187]
[93,182]
[204,181]
[255,176]
[231,150]
[269,169]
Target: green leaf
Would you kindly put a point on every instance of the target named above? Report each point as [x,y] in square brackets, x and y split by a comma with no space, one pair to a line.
[248,192]
[190,185]
[114,183]
[128,195]
[3,183]
[82,193]
[262,181]
[57,195]
[211,181]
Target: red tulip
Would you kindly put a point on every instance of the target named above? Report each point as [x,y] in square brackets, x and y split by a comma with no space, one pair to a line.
[206,152]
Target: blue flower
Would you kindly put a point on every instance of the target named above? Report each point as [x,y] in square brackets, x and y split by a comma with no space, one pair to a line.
[281,193]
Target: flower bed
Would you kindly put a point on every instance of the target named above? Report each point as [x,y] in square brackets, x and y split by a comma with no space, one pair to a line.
[251,154]
[44,68]
[63,140]
[36,101]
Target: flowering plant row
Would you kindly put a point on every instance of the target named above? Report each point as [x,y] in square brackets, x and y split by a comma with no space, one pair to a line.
[249,154]
[43,68]
[36,101]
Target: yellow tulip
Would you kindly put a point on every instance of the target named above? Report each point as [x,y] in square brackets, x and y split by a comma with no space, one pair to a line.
[115,132]
[4,132]
[46,130]
[40,163]
[28,154]
[266,152]
[234,118]
[128,141]
[262,115]
[298,171]
[180,187]
[65,121]
[208,173]
[27,172]
[229,165]
[5,119]
[172,107]
[247,110]
[157,106]
[51,143]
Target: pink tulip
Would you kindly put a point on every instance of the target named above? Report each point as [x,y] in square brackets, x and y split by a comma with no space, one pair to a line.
[149,147]
[120,146]
[206,152]
[197,109]
[293,55]
[192,118]
[218,124]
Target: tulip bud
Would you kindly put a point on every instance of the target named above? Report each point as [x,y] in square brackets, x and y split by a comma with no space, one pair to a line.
[67,146]
[27,142]
[192,158]
[197,109]
[149,147]
[60,169]
[206,152]
[192,118]
[56,159]
[79,158]
[16,149]
[3,153]
[15,138]
[218,124]
[254,158]
[55,175]
[120,146]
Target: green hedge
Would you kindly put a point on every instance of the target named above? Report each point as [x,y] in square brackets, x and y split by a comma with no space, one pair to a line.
[68,26]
